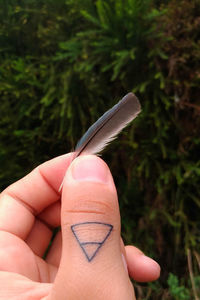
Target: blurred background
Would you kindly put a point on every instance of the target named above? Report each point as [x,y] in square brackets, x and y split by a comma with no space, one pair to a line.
[63,63]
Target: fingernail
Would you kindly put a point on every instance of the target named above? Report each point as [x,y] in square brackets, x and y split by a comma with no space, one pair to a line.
[124,263]
[90,168]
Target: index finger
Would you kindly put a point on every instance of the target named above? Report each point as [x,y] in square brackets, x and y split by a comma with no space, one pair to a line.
[28,197]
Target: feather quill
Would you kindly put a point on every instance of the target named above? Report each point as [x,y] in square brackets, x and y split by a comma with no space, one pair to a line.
[107,127]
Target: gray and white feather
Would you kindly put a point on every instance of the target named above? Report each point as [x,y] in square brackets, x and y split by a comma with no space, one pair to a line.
[107,127]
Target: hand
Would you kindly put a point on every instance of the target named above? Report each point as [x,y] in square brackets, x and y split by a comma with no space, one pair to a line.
[87,259]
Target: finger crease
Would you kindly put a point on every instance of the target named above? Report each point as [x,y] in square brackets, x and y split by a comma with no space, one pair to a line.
[85,211]
[45,223]
[47,182]
[38,269]
[22,202]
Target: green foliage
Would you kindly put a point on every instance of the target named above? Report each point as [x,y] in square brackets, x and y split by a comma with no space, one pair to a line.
[178,292]
[63,63]
[181,292]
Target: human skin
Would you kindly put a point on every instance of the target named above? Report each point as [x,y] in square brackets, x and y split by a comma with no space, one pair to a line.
[87,259]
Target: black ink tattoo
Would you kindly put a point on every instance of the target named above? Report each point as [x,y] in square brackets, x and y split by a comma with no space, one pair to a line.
[98,233]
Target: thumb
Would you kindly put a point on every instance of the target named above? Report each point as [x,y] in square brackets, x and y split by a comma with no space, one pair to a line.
[91,264]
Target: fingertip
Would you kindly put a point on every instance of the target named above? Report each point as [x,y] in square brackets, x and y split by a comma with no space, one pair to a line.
[89,168]
[141,267]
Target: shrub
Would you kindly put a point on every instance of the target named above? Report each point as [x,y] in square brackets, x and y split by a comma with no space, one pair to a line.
[62,64]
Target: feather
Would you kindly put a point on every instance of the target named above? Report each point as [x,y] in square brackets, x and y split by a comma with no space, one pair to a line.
[107,127]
